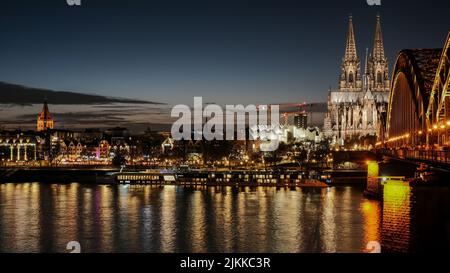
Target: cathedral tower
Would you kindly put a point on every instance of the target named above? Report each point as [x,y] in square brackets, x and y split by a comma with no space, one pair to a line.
[378,64]
[350,79]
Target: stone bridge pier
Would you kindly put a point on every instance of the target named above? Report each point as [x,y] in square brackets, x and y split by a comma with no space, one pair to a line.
[415,213]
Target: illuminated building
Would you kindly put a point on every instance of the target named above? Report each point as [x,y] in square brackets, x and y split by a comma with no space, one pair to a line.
[301,121]
[18,146]
[104,149]
[45,120]
[356,109]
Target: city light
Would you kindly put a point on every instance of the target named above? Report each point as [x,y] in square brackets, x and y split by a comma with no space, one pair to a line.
[362,166]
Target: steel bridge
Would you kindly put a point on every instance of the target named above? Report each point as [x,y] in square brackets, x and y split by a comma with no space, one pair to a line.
[418,115]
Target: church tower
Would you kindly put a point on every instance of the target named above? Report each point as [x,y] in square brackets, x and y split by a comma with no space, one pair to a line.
[378,65]
[44,120]
[350,79]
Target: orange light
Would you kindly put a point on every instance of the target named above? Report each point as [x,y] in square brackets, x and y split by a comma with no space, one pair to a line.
[420,132]
[435,126]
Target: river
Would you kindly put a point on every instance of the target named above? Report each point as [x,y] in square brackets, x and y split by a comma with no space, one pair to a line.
[39,217]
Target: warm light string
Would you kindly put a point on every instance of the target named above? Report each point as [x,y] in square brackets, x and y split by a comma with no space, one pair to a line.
[435,127]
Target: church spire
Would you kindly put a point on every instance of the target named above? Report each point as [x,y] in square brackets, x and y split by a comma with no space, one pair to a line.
[350,79]
[378,46]
[366,62]
[45,113]
[44,120]
[378,63]
[350,49]
[366,71]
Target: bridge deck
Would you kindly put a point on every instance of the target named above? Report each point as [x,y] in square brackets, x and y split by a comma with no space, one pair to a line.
[435,158]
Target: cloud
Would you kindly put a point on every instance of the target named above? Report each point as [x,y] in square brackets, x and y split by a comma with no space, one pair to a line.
[136,117]
[23,95]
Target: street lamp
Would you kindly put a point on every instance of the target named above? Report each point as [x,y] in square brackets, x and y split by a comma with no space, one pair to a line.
[446,134]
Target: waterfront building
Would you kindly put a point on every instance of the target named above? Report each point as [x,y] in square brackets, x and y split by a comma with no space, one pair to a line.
[104,148]
[45,120]
[57,134]
[294,134]
[89,135]
[167,145]
[75,149]
[19,146]
[301,121]
[356,109]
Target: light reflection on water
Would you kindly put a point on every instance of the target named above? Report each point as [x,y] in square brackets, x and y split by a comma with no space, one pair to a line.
[396,216]
[45,217]
[415,218]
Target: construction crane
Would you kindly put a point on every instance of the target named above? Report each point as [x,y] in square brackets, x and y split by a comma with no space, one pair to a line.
[286,115]
[286,112]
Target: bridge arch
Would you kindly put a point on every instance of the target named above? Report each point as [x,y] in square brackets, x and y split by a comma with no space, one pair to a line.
[419,105]
[409,96]
[438,112]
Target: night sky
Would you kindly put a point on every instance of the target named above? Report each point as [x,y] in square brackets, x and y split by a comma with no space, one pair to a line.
[227,51]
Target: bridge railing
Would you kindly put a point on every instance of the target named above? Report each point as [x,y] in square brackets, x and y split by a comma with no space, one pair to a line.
[437,156]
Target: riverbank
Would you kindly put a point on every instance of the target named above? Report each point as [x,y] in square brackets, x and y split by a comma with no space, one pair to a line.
[205,177]
[58,175]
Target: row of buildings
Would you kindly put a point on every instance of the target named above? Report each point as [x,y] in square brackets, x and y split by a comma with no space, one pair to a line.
[50,145]
[57,145]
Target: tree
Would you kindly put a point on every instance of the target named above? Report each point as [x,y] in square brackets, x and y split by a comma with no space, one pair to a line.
[119,160]
[301,156]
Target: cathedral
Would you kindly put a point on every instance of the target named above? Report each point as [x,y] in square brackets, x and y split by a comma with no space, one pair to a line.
[357,108]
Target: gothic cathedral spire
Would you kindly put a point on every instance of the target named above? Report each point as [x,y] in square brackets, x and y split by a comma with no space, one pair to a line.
[366,71]
[378,63]
[350,79]
[350,49]
[378,47]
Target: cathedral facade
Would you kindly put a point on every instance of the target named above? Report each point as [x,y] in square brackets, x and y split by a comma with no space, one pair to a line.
[357,108]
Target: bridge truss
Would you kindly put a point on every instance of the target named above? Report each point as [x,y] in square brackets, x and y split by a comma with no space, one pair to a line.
[438,113]
[419,104]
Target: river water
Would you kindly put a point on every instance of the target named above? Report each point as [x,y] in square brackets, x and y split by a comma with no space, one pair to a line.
[122,218]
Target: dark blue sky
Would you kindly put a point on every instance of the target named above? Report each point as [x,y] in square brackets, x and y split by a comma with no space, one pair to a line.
[227,51]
